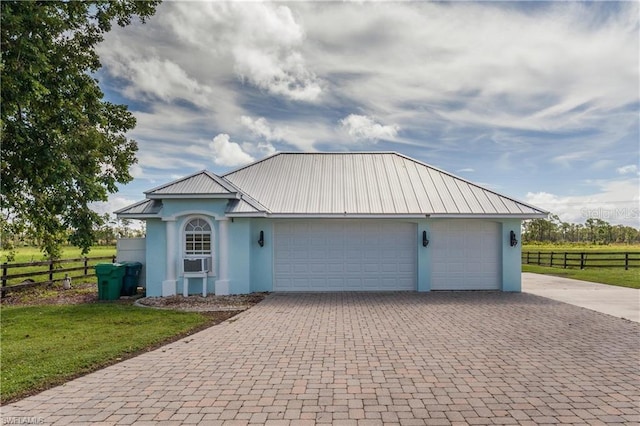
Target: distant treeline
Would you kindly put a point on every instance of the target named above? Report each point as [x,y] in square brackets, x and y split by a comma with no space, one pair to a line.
[593,231]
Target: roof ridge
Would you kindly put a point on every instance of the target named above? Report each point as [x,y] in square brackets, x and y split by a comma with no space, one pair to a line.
[217,179]
[173,182]
[306,153]
[250,164]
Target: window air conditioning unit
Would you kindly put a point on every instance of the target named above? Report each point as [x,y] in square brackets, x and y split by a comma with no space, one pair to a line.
[196,265]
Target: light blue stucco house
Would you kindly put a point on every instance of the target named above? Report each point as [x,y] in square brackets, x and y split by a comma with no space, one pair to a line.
[329,222]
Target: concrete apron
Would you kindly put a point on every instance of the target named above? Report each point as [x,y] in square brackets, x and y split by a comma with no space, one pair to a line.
[621,302]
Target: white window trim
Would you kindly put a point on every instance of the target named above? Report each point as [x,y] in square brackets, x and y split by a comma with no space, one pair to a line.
[183,245]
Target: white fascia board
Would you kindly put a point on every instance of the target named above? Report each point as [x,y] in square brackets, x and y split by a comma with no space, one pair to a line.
[346,216]
[488,216]
[234,195]
[252,214]
[137,216]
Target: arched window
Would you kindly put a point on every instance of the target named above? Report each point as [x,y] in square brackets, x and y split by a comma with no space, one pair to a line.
[197,238]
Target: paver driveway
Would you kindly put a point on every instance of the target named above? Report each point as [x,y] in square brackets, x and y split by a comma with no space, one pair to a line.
[363,358]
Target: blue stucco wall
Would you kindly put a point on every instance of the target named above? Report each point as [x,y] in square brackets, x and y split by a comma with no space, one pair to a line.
[240,256]
[511,256]
[179,211]
[424,258]
[251,266]
[212,207]
[156,244]
[261,274]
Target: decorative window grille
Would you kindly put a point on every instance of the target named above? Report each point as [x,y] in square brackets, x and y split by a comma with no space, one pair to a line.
[197,238]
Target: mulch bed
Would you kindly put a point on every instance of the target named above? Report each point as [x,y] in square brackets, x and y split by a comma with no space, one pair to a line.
[53,294]
[80,293]
[210,303]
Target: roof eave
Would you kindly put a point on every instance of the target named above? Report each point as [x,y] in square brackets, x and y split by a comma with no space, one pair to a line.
[347,216]
[488,216]
[141,216]
[225,196]
[247,214]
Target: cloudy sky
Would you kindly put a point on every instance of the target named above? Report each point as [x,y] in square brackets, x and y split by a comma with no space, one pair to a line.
[539,101]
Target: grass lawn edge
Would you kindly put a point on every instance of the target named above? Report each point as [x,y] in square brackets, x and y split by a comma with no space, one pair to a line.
[590,275]
[213,319]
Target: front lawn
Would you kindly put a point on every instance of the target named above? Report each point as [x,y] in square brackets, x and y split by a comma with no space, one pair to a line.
[612,276]
[43,346]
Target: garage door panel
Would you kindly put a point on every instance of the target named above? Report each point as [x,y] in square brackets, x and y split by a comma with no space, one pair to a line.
[466,254]
[345,256]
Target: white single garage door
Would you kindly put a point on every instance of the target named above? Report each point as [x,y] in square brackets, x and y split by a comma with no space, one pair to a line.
[343,255]
[465,255]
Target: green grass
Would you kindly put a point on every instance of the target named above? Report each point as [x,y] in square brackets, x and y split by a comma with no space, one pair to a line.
[581,247]
[612,276]
[33,254]
[43,346]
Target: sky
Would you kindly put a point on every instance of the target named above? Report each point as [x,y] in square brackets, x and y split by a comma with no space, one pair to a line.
[538,101]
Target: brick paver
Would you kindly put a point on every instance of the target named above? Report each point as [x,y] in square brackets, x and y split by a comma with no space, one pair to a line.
[369,359]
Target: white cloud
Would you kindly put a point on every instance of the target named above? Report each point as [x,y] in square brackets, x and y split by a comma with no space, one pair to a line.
[466,170]
[259,150]
[115,202]
[152,76]
[480,64]
[631,168]
[227,153]
[553,87]
[362,127]
[261,127]
[136,171]
[616,201]
[300,133]
[263,40]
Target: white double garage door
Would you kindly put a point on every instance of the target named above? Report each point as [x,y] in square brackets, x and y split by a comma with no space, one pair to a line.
[367,255]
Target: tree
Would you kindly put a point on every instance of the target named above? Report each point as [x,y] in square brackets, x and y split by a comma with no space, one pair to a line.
[63,146]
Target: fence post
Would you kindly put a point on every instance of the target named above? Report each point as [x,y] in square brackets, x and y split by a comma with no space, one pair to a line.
[4,274]
[113,259]
[565,260]
[626,263]
[50,269]
[86,265]
[582,260]
[538,259]
[551,260]
[527,258]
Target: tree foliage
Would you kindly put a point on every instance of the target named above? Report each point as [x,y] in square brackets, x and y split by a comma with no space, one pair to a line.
[63,146]
[593,231]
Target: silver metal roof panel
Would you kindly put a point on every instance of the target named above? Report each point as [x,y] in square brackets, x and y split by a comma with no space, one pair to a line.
[144,208]
[202,183]
[366,184]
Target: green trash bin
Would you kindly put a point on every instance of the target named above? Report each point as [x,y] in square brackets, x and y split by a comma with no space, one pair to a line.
[131,278]
[110,277]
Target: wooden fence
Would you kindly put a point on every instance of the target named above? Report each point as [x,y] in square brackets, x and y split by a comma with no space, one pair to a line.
[52,270]
[582,260]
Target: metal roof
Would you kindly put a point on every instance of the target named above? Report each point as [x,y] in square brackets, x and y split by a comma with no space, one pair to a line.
[338,184]
[204,184]
[142,208]
[383,183]
[244,208]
